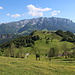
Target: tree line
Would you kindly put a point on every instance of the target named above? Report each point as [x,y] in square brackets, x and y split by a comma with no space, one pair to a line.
[66,35]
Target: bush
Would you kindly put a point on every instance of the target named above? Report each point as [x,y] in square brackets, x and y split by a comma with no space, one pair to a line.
[1,53]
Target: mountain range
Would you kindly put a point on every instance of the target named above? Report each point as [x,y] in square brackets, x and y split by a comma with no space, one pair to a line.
[26,26]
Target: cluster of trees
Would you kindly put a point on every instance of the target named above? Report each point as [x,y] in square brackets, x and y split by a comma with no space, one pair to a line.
[12,51]
[67,36]
[66,54]
[12,48]
[25,41]
[52,52]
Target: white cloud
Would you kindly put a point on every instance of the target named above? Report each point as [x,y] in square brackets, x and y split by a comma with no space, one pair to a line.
[16,15]
[58,11]
[55,12]
[33,8]
[1,8]
[34,11]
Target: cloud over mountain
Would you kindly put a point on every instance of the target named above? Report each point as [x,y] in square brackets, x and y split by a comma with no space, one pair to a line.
[33,8]
[34,11]
[55,12]
[15,15]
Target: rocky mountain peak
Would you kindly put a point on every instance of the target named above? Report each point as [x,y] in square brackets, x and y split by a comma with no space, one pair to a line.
[28,25]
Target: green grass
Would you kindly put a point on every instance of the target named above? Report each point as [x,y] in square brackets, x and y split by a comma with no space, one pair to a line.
[30,66]
[44,48]
[23,32]
[50,35]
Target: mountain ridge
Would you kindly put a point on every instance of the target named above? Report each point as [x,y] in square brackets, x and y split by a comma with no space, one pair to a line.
[41,23]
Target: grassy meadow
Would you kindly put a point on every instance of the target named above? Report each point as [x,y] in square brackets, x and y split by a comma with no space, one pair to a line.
[30,66]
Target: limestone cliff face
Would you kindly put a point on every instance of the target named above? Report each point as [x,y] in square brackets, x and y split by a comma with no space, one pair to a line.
[3,36]
[52,23]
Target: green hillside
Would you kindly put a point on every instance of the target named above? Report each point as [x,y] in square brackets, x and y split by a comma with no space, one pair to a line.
[39,42]
[56,42]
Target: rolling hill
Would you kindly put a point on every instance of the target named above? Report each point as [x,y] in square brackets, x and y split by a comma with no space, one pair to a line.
[39,41]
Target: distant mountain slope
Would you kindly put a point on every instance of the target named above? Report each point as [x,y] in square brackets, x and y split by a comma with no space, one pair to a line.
[28,25]
[7,37]
[12,27]
[49,24]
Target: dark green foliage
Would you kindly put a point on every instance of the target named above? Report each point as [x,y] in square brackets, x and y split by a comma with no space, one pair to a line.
[47,41]
[0,53]
[67,36]
[69,33]
[37,56]
[5,45]
[32,33]
[72,55]
[60,33]
[25,41]
[52,52]
[35,38]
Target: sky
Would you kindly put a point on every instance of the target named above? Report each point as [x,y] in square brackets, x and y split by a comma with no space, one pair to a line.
[15,10]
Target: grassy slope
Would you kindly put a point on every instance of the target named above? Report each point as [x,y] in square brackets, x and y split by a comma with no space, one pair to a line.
[40,45]
[29,66]
[43,47]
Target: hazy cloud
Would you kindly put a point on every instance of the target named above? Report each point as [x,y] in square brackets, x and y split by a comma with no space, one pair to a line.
[55,12]
[23,14]
[16,15]
[1,8]
[8,14]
